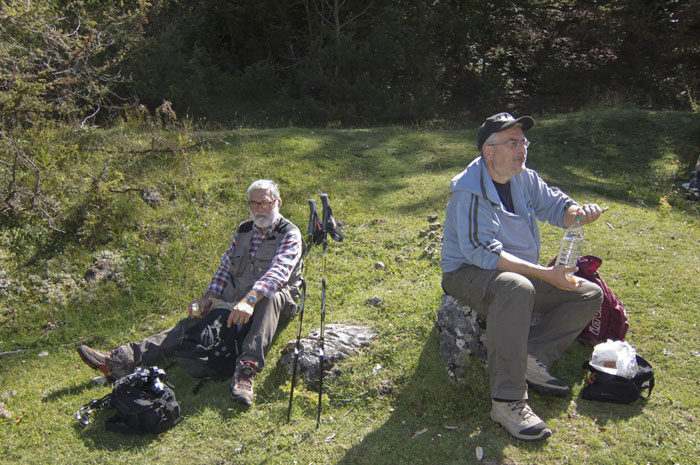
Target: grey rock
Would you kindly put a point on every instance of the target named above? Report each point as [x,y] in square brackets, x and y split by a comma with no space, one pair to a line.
[462,334]
[375,302]
[103,269]
[152,197]
[340,342]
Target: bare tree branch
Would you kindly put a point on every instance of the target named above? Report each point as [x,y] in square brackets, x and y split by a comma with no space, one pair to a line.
[357,15]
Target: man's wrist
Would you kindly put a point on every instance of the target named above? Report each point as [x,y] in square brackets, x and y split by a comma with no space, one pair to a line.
[252,299]
[212,295]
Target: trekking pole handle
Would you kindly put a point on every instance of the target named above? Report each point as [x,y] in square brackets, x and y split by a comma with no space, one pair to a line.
[312,216]
[326,213]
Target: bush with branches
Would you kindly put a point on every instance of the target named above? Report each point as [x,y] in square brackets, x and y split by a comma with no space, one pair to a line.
[59,63]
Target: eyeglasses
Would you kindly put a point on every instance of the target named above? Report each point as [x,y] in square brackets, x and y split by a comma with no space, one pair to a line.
[266,204]
[514,144]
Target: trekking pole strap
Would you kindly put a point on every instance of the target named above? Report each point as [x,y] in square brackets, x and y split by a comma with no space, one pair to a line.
[313,232]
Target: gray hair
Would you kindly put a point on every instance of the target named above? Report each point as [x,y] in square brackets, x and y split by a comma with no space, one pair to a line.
[264,185]
[491,139]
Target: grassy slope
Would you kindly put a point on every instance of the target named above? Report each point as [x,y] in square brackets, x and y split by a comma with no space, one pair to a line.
[384,184]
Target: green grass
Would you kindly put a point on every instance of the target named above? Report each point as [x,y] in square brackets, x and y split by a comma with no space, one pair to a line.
[384,184]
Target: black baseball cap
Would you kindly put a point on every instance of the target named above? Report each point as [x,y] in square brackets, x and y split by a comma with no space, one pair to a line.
[500,122]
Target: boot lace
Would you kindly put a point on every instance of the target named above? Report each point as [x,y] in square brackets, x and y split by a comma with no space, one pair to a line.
[524,410]
[244,378]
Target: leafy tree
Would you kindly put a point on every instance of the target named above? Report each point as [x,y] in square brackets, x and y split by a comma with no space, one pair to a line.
[58,64]
[367,62]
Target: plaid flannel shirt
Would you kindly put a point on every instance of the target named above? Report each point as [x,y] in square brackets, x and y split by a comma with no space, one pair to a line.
[286,257]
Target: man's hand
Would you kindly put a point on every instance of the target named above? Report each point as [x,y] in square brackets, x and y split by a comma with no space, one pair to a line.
[204,305]
[240,313]
[556,276]
[588,214]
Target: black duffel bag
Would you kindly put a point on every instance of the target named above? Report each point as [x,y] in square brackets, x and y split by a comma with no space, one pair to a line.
[606,387]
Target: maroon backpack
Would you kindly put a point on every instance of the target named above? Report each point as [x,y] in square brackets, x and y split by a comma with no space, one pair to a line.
[610,322]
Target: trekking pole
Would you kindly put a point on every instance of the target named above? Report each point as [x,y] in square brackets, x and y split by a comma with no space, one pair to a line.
[328,226]
[296,348]
[321,355]
[312,230]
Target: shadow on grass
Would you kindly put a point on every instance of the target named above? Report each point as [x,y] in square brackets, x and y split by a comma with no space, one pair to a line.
[68,391]
[438,420]
[628,156]
[617,155]
[603,413]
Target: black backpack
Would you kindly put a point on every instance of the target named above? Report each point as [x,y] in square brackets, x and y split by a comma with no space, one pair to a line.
[210,348]
[144,402]
[605,387]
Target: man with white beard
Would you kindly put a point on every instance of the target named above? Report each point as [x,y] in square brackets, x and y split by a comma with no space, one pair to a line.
[259,277]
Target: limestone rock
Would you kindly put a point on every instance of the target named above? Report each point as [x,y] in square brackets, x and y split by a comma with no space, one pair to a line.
[106,265]
[103,269]
[462,334]
[340,342]
[152,197]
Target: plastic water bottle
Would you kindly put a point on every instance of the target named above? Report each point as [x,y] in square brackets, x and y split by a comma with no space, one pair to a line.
[571,245]
[196,311]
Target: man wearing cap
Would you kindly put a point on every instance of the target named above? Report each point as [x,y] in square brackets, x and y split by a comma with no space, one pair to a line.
[490,255]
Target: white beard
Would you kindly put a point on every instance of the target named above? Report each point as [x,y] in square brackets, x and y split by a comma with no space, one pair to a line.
[264,220]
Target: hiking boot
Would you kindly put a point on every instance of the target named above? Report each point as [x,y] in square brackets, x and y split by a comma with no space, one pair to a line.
[108,363]
[519,420]
[242,384]
[539,379]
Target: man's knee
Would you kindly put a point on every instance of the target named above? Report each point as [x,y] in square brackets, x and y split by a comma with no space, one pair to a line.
[590,291]
[513,286]
[478,288]
[271,310]
[286,305]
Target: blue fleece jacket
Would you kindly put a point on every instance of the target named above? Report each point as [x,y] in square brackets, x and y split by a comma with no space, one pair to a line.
[478,227]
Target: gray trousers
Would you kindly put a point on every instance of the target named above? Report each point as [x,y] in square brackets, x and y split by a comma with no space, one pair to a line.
[260,331]
[507,300]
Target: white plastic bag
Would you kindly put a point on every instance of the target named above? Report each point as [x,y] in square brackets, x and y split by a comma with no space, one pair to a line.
[616,358]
